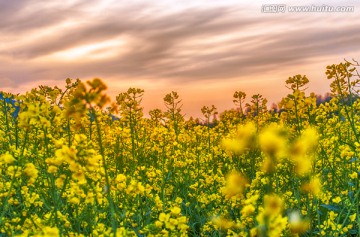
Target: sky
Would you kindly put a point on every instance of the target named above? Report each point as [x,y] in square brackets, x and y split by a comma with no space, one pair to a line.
[204,50]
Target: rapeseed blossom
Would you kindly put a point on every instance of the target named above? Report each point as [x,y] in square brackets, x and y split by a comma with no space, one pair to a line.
[71,167]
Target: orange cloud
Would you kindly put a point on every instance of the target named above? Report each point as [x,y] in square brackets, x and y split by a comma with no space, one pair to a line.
[203,52]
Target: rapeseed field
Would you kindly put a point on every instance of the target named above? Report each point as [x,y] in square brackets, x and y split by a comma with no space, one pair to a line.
[75,163]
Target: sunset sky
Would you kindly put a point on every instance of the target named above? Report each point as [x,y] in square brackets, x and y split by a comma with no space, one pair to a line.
[204,50]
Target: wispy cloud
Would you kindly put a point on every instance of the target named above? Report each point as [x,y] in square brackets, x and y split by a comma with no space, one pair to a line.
[166,40]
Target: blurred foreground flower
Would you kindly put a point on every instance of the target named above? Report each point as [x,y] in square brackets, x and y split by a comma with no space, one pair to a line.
[298,225]
[301,151]
[313,186]
[222,223]
[235,184]
[273,141]
[84,98]
[270,219]
[243,140]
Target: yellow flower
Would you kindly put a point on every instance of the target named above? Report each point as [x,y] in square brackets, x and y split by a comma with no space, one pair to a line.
[234,145]
[74,200]
[173,221]
[303,165]
[273,205]
[222,223]
[79,175]
[7,158]
[352,217]
[158,224]
[270,220]
[175,211]
[52,169]
[59,182]
[244,139]
[170,225]
[248,210]
[51,231]
[332,215]
[178,200]
[313,187]
[31,171]
[254,232]
[164,217]
[120,178]
[140,188]
[354,175]
[268,165]
[182,219]
[289,104]
[273,141]
[310,138]
[336,200]
[235,184]
[296,224]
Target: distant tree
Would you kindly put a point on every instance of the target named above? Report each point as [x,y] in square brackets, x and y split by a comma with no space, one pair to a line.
[274,108]
[320,99]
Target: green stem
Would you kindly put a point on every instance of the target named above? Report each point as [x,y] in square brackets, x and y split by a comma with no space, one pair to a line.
[102,153]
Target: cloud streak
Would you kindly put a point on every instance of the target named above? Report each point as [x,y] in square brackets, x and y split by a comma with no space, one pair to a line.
[179,45]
